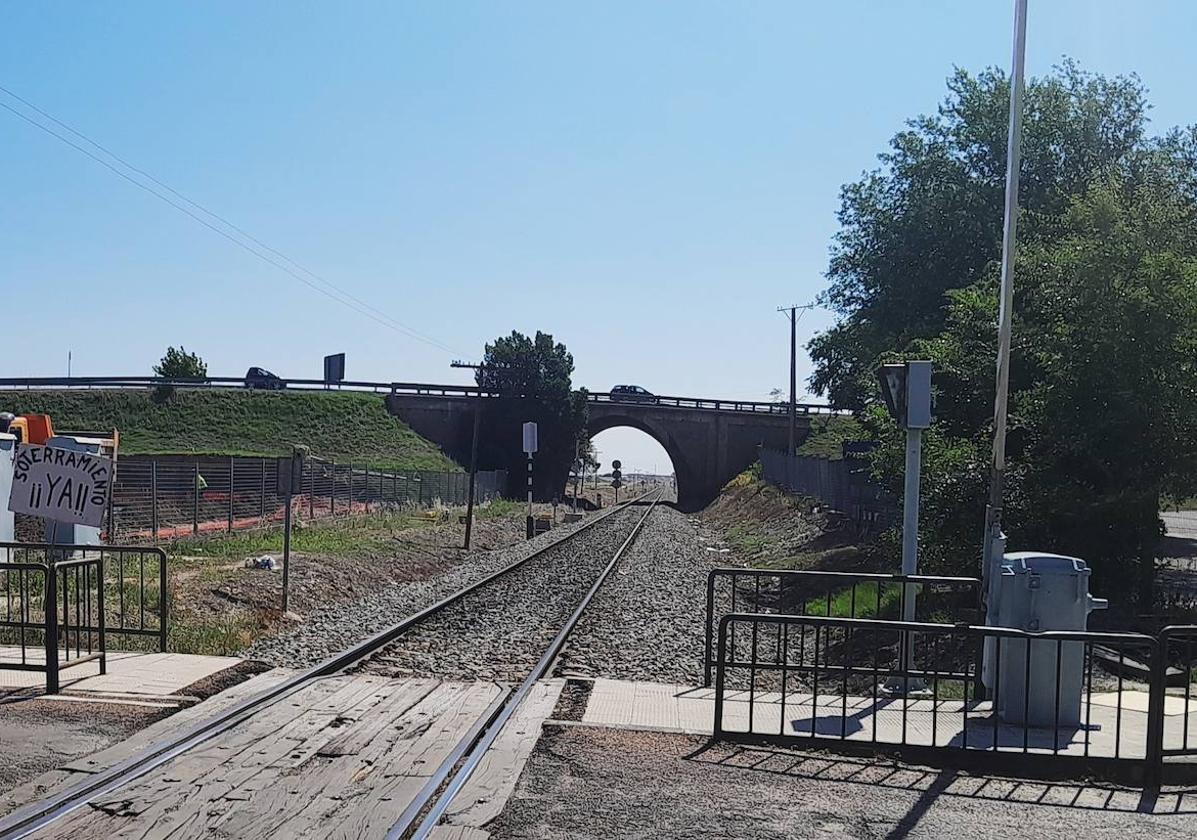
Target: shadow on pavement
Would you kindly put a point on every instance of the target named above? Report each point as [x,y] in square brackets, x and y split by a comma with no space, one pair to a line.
[931,784]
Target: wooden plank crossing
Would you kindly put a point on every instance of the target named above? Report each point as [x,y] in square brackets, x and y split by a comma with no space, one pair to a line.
[71,772]
[340,758]
[485,795]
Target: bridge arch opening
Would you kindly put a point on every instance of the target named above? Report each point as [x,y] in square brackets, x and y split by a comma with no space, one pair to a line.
[641,447]
[639,452]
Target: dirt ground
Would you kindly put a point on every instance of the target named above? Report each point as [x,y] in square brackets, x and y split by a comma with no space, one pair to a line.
[219,606]
[38,735]
[586,783]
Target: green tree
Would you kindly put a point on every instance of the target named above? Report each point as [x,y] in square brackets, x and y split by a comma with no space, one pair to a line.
[930,219]
[533,378]
[1103,418]
[181,365]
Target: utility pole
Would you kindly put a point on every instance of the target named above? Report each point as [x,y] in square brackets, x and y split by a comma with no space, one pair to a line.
[994,543]
[792,447]
[469,523]
[577,469]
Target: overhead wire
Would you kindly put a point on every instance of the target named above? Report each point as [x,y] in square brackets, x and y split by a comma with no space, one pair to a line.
[262,251]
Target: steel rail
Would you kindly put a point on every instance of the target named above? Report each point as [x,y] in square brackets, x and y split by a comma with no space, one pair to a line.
[37,815]
[492,731]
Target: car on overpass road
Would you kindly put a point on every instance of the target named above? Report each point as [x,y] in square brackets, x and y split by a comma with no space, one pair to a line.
[632,393]
[263,380]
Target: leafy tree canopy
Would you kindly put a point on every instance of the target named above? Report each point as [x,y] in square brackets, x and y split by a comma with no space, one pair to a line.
[179,364]
[930,219]
[533,377]
[1103,415]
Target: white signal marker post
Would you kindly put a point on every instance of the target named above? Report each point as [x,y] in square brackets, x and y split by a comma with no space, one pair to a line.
[530,450]
[907,391]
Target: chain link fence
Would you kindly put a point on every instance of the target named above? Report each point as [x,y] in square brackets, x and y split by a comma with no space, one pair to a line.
[843,485]
[162,498]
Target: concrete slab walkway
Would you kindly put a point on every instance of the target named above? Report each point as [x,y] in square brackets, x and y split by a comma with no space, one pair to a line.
[132,673]
[1116,727]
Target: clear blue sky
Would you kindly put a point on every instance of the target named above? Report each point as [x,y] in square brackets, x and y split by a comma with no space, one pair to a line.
[647,181]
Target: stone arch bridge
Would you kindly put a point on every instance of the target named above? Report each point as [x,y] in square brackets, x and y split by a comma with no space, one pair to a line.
[709,441]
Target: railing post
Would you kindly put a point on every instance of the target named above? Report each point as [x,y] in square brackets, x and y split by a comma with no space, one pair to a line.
[332,490]
[195,497]
[100,614]
[1153,773]
[163,601]
[154,499]
[51,625]
[367,493]
[232,487]
[707,640]
[717,727]
[262,494]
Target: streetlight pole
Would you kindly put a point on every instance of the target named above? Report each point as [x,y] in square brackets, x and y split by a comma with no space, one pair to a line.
[994,544]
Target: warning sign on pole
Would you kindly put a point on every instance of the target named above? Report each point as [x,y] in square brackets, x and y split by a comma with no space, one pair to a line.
[60,484]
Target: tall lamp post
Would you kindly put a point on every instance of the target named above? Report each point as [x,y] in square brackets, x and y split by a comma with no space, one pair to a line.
[994,542]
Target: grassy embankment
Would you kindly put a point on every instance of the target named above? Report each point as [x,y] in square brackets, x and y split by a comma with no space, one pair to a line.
[342,425]
[205,567]
[769,529]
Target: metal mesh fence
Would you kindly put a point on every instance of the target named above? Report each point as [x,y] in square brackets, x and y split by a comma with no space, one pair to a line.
[161,498]
[843,485]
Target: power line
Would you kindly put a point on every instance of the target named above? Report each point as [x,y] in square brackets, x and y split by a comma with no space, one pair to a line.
[337,294]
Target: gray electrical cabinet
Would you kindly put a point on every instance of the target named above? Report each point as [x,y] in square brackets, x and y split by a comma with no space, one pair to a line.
[8,451]
[1037,592]
[69,533]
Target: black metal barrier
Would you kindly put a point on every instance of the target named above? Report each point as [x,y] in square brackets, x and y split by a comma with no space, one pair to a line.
[62,603]
[835,594]
[1070,703]
[1172,685]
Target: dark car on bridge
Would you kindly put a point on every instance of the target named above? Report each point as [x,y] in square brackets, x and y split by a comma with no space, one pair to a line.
[263,380]
[632,393]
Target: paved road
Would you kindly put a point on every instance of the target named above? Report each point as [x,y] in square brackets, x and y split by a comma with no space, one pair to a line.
[1181,524]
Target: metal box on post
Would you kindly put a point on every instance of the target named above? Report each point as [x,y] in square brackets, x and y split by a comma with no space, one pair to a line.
[8,447]
[1036,592]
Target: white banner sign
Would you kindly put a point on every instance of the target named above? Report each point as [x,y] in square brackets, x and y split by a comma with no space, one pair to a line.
[59,484]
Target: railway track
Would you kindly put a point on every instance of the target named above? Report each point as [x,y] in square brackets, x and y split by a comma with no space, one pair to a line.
[409,648]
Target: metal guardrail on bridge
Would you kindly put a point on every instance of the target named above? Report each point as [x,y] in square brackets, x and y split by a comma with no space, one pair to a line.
[409,388]
[234,382]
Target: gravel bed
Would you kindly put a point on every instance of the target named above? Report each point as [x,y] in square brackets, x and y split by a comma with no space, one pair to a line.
[647,621]
[500,632]
[331,629]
